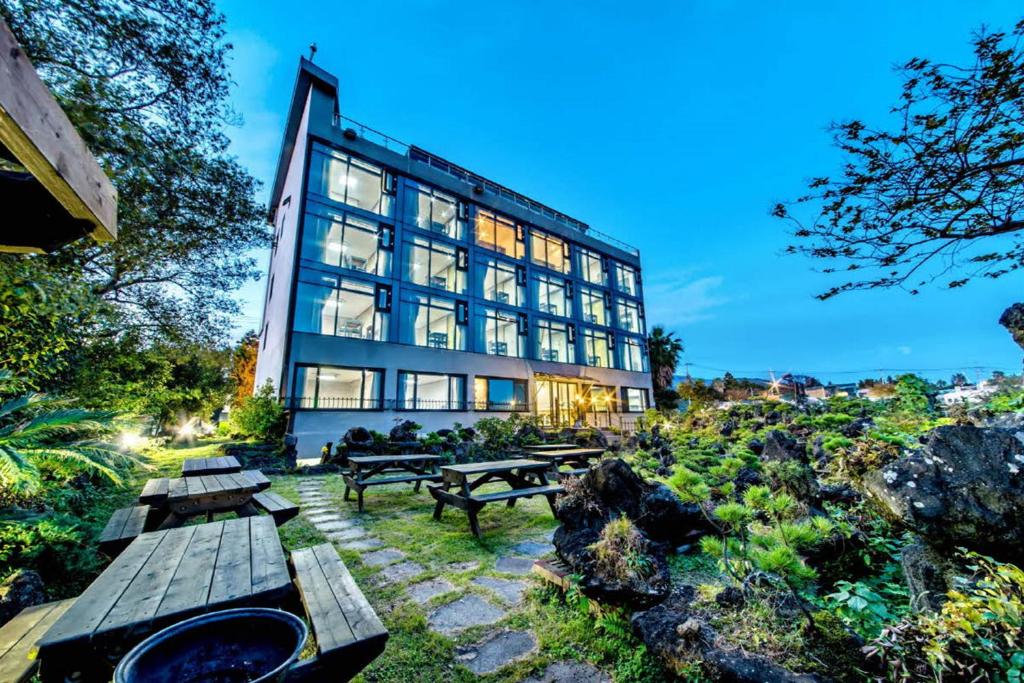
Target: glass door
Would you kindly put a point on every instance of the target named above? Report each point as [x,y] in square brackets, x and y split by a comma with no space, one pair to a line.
[557,402]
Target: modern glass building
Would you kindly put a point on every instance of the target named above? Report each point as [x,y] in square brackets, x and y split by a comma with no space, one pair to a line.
[404,286]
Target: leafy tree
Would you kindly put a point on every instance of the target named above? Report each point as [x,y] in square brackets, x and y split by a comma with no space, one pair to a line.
[260,416]
[958,379]
[36,429]
[243,367]
[664,349]
[146,84]
[940,193]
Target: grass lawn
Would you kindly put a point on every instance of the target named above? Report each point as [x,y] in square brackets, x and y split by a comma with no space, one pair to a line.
[402,520]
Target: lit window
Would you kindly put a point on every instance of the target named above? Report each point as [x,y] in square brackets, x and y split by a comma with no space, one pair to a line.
[343,240]
[550,295]
[499,234]
[495,393]
[501,333]
[504,283]
[430,209]
[435,264]
[627,279]
[549,251]
[327,304]
[630,315]
[555,341]
[596,349]
[430,391]
[433,322]
[594,303]
[634,354]
[634,400]
[343,178]
[592,267]
[322,386]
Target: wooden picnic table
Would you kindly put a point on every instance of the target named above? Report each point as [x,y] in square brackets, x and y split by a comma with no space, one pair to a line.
[196,467]
[166,576]
[375,470]
[574,457]
[537,448]
[175,500]
[162,578]
[519,475]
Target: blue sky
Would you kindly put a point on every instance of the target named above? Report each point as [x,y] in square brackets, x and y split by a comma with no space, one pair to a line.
[673,126]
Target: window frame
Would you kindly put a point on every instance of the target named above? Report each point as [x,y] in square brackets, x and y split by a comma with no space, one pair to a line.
[380,320]
[458,255]
[488,406]
[551,242]
[419,188]
[382,374]
[460,404]
[320,157]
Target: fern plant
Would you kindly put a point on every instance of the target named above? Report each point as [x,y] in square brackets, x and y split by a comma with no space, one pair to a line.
[37,429]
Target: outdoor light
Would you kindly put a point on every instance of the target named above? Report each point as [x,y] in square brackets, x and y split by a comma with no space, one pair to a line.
[187,428]
[131,441]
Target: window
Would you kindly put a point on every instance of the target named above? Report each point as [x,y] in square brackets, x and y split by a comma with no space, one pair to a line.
[495,393]
[597,348]
[323,386]
[499,234]
[343,178]
[627,279]
[634,355]
[630,316]
[555,341]
[342,240]
[327,304]
[501,333]
[430,391]
[595,309]
[602,399]
[592,267]
[550,295]
[430,209]
[502,282]
[433,322]
[634,400]
[549,251]
[435,264]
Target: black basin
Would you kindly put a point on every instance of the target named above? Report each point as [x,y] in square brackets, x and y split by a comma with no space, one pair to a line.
[247,645]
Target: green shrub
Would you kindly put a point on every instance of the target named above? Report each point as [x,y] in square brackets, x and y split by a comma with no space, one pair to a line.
[53,546]
[260,416]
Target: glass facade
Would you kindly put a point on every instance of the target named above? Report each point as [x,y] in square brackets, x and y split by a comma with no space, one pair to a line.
[500,234]
[336,238]
[626,279]
[347,180]
[327,304]
[433,210]
[630,315]
[502,282]
[634,400]
[433,322]
[592,267]
[549,251]
[594,305]
[430,263]
[554,341]
[431,391]
[324,386]
[501,333]
[497,393]
[634,355]
[551,295]
[597,349]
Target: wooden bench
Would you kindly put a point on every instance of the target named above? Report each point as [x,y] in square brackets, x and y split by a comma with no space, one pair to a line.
[576,472]
[348,633]
[279,507]
[124,525]
[513,495]
[377,470]
[258,478]
[18,639]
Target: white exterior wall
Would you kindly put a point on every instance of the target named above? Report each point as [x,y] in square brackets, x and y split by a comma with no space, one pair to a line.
[274,331]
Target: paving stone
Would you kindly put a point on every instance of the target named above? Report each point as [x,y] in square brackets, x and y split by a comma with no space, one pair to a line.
[326,517]
[422,592]
[551,536]
[514,565]
[467,611]
[570,672]
[461,567]
[336,525]
[510,591]
[382,557]
[349,534]
[362,544]
[497,651]
[533,549]
[395,573]
[312,511]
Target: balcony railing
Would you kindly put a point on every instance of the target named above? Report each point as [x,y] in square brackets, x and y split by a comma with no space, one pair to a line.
[434,161]
[336,403]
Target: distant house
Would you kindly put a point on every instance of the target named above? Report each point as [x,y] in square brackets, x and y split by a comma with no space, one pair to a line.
[51,187]
[968,393]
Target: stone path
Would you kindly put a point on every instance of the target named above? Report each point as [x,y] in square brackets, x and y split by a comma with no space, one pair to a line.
[324,512]
[467,611]
[422,592]
[520,566]
[510,592]
[570,672]
[498,650]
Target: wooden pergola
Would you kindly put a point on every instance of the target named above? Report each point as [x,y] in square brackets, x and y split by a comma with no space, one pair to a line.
[52,189]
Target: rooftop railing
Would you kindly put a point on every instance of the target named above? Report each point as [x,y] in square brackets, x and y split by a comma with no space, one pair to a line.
[347,403]
[434,161]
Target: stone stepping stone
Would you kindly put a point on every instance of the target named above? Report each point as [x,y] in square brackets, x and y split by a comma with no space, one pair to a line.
[520,566]
[382,557]
[350,534]
[551,536]
[314,511]
[422,592]
[336,525]
[461,567]
[570,672]
[497,651]
[326,517]
[533,549]
[361,544]
[509,591]
[467,611]
[396,573]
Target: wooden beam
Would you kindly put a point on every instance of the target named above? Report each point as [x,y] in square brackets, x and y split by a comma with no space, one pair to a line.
[39,134]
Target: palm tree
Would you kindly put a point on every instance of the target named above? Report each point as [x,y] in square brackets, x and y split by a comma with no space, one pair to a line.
[36,428]
[664,349]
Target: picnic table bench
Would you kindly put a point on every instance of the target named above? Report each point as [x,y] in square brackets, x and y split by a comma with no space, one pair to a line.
[122,528]
[175,500]
[19,637]
[375,470]
[578,459]
[465,479]
[167,576]
[549,447]
[196,467]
